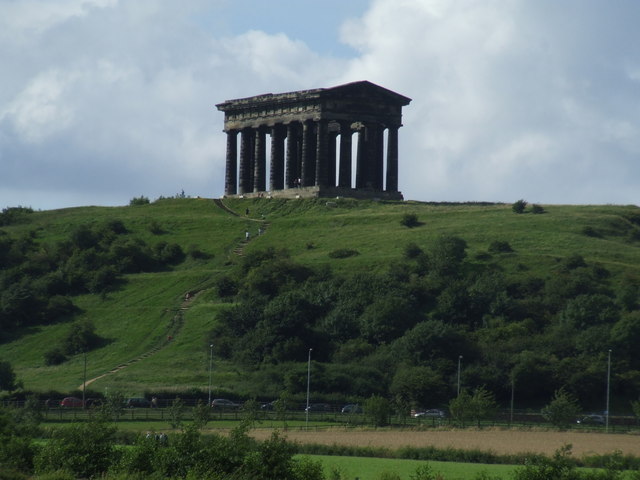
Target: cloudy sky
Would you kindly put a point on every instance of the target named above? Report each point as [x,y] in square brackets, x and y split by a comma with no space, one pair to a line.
[104,100]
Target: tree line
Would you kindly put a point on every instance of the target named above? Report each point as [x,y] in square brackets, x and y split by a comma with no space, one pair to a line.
[401,333]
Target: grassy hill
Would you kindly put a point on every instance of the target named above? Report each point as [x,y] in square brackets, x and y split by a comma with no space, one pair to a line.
[148,312]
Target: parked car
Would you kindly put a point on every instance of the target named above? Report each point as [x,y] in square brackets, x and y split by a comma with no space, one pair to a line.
[71,402]
[224,404]
[270,405]
[318,407]
[430,413]
[137,402]
[93,402]
[352,408]
[592,419]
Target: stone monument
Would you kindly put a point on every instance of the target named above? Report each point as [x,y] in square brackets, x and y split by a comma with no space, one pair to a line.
[305,158]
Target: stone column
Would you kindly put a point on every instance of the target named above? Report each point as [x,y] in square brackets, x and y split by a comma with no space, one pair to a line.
[231,164]
[344,174]
[392,159]
[308,154]
[260,159]
[322,145]
[361,158]
[246,157]
[378,180]
[292,174]
[331,160]
[276,171]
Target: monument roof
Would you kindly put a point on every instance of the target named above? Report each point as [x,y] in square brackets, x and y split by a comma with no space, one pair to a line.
[356,90]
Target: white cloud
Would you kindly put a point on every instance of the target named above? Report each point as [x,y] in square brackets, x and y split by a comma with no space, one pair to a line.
[506,90]
[38,112]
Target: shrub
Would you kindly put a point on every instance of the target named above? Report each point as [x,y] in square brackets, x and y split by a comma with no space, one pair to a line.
[176,412]
[83,449]
[81,338]
[519,206]
[194,252]
[500,246]
[410,220]
[7,377]
[537,209]
[141,200]
[412,250]
[562,410]
[155,228]
[378,410]
[168,253]
[589,231]
[343,253]
[54,357]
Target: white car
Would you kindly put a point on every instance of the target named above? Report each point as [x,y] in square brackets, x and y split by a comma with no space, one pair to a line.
[431,413]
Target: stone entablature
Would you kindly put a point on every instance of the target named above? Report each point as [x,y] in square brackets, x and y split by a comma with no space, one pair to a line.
[304,127]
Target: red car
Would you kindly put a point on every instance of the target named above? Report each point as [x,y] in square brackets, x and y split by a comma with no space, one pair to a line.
[71,402]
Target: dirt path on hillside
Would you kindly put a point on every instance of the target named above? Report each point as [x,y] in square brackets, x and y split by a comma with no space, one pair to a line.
[497,441]
[178,320]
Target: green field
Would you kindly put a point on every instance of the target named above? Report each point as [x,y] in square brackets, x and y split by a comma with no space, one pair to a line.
[372,468]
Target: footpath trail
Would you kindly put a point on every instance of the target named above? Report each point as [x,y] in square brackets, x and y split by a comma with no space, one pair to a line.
[178,320]
[239,248]
[189,297]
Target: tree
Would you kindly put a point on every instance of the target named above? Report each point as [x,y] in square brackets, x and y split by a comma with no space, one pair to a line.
[460,407]
[446,255]
[81,338]
[635,406]
[378,410]
[562,410]
[201,414]
[483,405]
[7,377]
[519,206]
[421,386]
[479,406]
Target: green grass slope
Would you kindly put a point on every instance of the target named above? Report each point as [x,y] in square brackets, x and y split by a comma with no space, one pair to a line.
[148,308]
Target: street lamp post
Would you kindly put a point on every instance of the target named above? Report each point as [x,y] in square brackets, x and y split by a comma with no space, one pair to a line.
[608,389]
[513,389]
[84,379]
[308,384]
[459,362]
[210,369]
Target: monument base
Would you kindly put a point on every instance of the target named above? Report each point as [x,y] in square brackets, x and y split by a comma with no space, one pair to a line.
[322,192]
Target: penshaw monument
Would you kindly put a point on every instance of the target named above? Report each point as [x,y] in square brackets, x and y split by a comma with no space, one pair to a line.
[312,151]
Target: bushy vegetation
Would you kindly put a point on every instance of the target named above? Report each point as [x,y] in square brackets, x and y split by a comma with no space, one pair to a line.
[38,281]
[399,332]
[11,215]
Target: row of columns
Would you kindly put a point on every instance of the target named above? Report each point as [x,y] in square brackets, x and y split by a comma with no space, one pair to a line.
[303,154]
